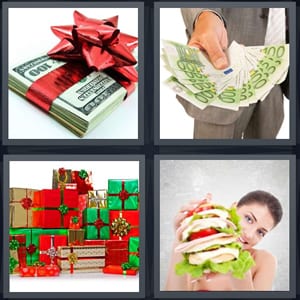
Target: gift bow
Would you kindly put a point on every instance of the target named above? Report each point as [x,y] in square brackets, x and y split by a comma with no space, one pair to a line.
[120,227]
[99,43]
[12,264]
[14,244]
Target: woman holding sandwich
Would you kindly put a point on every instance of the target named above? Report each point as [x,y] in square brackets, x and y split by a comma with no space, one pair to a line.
[259,213]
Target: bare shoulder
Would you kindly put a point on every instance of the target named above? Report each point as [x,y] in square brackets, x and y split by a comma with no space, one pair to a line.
[264,258]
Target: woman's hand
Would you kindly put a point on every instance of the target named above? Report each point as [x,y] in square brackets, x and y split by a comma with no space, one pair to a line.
[189,207]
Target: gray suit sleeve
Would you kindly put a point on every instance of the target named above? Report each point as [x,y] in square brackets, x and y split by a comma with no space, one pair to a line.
[191,14]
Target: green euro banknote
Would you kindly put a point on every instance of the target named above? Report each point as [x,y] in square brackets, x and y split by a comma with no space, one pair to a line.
[88,99]
[250,76]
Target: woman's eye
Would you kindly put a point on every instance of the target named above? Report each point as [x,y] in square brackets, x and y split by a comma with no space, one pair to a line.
[248,219]
[261,233]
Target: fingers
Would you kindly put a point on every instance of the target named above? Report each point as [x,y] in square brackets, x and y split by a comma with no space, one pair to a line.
[185,209]
[217,56]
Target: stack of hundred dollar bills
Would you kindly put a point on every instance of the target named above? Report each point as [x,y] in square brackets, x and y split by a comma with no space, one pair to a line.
[80,107]
[252,73]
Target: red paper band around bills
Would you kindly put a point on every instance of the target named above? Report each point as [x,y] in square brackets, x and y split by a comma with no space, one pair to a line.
[59,80]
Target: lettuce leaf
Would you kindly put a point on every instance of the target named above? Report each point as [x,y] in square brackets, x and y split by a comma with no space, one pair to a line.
[237,267]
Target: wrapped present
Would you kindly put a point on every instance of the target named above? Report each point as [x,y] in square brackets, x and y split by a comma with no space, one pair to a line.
[116,252]
[75,237]
[82,204]
[32,240]
[20,207]
[74,223]
[123,224]
[134,252]
[96,223]
[61,178]
[81,259]
[97,198]
[117,269]
[94,242]
[83,179]
[123,194]
[54,208]
[40,270]
[17,252]
[48,247]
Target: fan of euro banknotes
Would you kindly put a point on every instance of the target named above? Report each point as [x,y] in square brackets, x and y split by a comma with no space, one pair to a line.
[252,73]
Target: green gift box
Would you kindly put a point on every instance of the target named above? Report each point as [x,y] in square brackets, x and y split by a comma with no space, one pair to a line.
[32,240]
[123,194]
[134,249]
[96,223]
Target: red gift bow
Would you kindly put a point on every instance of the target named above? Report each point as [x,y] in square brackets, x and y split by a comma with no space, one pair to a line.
[99,43]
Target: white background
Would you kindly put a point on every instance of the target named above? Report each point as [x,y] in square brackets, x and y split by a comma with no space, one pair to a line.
[29,36]
[182,181]
[175,123]
[38,175]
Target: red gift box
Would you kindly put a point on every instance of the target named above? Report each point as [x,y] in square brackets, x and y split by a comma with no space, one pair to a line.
[123,224]
[115,269]
[94,242]
[83,180]
[40,271]
[82,204]
[54,208]
[21,247]
[116,252]
[48,247]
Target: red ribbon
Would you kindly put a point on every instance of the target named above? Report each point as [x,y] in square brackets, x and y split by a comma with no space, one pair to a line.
[99,43]
[26,203]
[123,195]
[98,223]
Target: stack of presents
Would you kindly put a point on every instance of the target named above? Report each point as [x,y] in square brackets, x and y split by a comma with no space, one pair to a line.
[75,228]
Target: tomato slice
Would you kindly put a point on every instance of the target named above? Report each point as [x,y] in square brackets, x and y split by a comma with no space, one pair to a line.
[202,233]
[198,209]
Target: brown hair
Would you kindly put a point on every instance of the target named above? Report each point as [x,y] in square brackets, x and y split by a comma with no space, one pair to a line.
[264,198]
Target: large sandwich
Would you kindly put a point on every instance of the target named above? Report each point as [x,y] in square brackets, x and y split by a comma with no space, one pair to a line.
[209,242]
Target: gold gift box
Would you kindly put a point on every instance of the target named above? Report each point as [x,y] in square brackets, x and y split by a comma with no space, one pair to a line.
[19,216]
[83,259]
[75,237]
[97,198]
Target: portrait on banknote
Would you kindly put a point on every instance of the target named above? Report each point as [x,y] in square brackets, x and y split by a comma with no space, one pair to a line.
[219,217]
[76,69]
[224,73]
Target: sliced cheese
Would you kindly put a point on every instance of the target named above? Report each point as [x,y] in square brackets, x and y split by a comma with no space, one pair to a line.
[216,256]
[202,246]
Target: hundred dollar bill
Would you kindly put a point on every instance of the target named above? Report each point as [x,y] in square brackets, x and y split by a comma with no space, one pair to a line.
[252,73]
[72,94]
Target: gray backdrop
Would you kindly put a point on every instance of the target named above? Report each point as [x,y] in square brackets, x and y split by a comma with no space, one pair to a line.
[227,180]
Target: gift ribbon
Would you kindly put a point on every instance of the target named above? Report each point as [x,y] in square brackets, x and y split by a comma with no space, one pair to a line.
[63,209]
[83,185]
[62,176]
[120,226]
[14,244]
[97,42]
[123,195]
[51,252]
[67,75]
[12,264]
[73,257]
[98,223]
